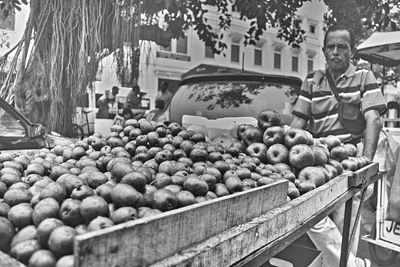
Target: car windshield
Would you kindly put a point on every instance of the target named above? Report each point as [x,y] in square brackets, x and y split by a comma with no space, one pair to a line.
[218,99]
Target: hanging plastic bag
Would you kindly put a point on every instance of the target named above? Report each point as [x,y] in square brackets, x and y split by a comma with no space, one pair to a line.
[392,160]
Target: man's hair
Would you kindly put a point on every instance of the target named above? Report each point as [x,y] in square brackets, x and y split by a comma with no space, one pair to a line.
[114,88]
[339,28]
[136,87]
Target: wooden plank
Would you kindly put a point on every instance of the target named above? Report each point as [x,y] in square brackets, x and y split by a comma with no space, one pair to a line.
[235,244]
[148,240]
[8,261]
[361,175]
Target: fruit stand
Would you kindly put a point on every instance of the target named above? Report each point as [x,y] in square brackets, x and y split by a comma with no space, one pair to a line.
[159,195]
[225,231]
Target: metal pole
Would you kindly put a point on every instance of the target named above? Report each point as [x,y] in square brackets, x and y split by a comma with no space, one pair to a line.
[383,80]
[243,61]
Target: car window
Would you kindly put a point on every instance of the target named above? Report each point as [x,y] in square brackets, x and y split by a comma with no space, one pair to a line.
[9,126]
[215,100]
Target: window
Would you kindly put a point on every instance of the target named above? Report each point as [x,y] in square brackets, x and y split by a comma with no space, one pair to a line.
[277,59]
[166,48]
[235,51]
[295,63]
[312,28]
[310,65]
[209,52]
[181,45]
[257,57]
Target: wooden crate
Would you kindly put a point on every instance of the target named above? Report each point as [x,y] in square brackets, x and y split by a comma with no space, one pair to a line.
[361,175]
[148,240]
[238,242]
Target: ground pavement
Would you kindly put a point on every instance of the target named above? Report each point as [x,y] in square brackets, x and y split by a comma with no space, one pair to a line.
[368,218]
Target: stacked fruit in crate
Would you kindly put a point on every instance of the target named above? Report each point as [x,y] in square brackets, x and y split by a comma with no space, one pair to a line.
[145,168]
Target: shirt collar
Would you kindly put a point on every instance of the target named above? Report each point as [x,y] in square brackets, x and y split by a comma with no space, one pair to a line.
[319,75]
[350,71]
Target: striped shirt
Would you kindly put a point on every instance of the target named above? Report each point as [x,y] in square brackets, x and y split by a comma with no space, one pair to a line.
[319,106]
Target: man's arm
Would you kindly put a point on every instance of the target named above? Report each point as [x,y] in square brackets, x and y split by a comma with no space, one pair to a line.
[298,122]
[372,131]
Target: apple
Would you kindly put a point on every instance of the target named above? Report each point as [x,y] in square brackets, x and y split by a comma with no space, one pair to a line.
[251,135]
[320,157]
[175,128]
[163,155]
[352,149]
[268,118]
[279,167]
[277,153]
[152,138]
[264,172]
[295,136]
[340,153]
[70,212]
[273,135]
[359,161]
[304,186]
[240,130]
[265,180]
[326,173]
[331,170]
[349,164]
[258,150]
[337,166]
[331,141]
[312,174]
[288,175]
[293,191]
[301,156]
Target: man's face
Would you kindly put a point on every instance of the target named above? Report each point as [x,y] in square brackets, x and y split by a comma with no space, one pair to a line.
[114,92]
[337,50]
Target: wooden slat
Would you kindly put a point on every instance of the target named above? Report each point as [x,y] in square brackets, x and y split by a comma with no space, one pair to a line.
[362,174]
[235,244]
[148,240]
[8,261]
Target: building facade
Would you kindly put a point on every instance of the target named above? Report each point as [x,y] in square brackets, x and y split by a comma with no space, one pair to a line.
[269,55]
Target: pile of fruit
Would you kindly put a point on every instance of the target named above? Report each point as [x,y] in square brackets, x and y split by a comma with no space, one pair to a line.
[145,168]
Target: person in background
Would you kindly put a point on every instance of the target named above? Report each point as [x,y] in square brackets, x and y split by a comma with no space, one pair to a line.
[163,96]
[102,113]
[134,98]
[316,110]
[113,105]
[108,104]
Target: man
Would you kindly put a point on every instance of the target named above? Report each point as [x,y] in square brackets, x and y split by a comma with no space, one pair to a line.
[108,104]
[134,98]
[317,111]
[163,96]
